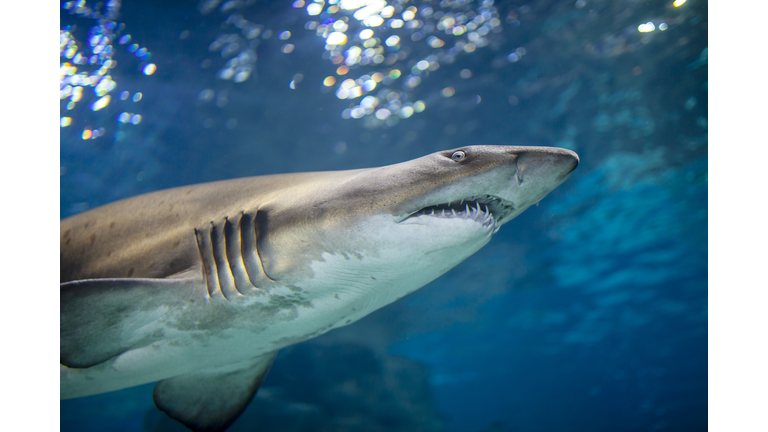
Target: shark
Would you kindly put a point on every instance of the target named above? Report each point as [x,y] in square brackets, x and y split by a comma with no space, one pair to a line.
[198,287]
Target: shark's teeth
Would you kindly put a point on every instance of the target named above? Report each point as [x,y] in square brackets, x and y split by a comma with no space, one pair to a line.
[487,210]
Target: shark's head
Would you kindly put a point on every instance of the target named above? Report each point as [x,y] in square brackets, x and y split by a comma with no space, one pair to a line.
[488,185]
[403,225]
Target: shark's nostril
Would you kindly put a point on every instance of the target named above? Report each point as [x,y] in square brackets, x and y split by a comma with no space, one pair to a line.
[518,174]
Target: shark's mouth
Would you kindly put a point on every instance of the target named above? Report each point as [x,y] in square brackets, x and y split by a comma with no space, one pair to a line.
[487,210]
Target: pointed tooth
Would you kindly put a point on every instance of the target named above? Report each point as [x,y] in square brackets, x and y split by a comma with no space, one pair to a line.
[442,213]
[487,212]
[478,206]
[453,212]
[467,209]
[461,202]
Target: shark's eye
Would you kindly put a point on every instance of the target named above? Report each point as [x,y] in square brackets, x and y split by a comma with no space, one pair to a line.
[458,156]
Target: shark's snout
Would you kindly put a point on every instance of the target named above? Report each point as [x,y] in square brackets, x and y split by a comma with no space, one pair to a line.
[570,160]
[551,163]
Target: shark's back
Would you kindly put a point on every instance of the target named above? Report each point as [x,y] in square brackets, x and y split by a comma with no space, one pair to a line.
[152,235]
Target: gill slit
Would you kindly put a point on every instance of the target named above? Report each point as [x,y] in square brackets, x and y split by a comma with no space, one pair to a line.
[241,281]
[203,239]
[249,251]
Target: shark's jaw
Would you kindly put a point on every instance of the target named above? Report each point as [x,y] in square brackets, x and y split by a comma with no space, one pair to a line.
[489,211]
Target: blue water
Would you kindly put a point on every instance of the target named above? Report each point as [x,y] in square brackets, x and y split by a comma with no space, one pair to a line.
[588,312]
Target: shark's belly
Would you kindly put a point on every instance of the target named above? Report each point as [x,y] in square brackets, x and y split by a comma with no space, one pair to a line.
[219,331]
[223,332]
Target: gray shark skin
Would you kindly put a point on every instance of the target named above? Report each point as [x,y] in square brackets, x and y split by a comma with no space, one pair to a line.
[198,287]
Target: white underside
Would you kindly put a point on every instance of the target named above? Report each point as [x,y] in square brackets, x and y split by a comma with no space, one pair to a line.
[387,262]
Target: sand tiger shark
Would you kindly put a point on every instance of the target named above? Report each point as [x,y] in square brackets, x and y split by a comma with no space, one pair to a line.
[198,287]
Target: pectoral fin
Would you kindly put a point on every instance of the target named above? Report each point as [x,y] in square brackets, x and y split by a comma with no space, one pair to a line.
[210,400]
[103,318]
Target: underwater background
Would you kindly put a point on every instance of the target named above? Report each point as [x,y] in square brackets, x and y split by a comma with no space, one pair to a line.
[585,313]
